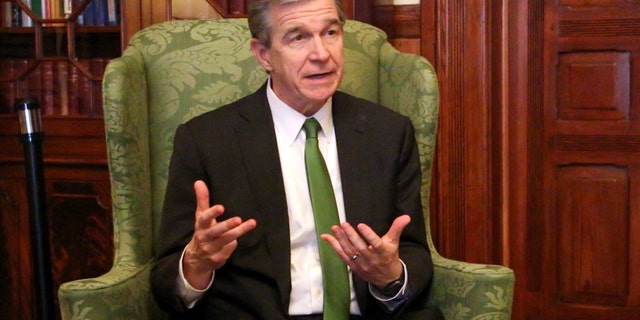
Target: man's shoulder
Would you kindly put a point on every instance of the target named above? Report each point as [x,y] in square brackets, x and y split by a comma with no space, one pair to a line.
[363,106]
[226,114]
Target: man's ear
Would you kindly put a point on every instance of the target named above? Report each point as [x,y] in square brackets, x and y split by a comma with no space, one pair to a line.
[261,53]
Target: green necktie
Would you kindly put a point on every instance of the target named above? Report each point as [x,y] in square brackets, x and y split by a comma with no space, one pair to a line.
[334,272]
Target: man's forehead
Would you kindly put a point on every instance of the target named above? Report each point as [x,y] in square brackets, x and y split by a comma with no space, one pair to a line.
[301,13]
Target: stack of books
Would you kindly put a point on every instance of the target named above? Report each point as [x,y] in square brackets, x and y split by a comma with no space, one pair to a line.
[58,84]
[95,13]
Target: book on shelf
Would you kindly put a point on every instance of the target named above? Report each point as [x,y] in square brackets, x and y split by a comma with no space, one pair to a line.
[113,12]
[67,7]
[97,66]
[24,16]
[84,89]
[5,14]
[99,13]
[37,8]
[73,89]
[34,86]
[46,87]
[87,14]
[16,15]
[60,88]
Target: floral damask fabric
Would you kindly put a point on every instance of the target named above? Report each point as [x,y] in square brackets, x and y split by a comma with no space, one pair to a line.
[176,70]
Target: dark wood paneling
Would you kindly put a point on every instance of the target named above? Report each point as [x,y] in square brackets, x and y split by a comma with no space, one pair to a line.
[14,265]
[77,201]
[541,96]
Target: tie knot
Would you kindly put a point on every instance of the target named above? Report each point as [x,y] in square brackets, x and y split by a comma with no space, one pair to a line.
[311,127]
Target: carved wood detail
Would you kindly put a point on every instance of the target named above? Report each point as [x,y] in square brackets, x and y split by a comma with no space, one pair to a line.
[597,143]
[450,171]
[607,28]
[588,255]
[593,86]
[535,114]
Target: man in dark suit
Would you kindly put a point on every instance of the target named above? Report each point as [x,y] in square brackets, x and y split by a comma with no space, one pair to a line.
[254,253]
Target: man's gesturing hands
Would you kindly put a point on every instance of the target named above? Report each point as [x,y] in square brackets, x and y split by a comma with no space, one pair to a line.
[374,259]
[213,242]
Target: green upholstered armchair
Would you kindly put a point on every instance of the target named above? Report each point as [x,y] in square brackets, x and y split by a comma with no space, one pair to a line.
[173,71]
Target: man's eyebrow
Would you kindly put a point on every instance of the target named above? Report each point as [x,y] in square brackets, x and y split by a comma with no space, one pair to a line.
[294,29]
[297,28]
[333,21]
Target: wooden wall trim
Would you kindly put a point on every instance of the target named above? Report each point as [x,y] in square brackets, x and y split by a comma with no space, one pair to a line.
[535,143]
[401,23]
[468,208]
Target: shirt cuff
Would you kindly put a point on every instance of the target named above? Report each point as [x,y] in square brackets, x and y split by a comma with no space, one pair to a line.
[394,302]
[189,294]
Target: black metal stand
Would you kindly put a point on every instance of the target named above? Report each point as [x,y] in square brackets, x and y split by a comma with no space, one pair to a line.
[31,136]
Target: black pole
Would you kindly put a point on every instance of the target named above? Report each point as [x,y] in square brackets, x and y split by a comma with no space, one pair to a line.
[31,136]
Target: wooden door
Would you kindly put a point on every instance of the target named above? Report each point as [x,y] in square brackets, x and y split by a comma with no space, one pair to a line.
[591,156]
[575,159]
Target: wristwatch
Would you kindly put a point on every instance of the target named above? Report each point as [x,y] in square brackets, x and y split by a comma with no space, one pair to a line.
[394,287]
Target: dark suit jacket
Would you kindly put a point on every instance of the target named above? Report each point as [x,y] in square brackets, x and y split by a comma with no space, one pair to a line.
[234,150]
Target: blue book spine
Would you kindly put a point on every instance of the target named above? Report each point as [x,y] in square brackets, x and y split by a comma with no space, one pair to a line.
[88,13]
[100,12]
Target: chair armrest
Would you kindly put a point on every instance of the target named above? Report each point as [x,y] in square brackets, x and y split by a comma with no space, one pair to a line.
[122,293]
[465,290]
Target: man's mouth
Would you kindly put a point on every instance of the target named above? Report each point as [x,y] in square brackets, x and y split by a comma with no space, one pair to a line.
[318,75]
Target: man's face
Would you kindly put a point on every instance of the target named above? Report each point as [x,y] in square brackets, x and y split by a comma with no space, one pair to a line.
[305,59]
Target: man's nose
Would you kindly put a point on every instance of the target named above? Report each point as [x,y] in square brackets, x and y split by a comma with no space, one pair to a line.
[319,49]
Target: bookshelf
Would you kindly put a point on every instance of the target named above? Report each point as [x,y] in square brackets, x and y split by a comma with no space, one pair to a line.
[56,51]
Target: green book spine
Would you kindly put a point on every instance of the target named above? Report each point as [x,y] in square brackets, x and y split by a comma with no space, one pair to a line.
[36,8]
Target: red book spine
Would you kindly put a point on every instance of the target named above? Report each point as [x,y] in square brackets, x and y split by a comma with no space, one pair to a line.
[47,96]
[73,89]
[60,88]
[22,81]
[5,14]
[85,89]
[34,86]
[97,70]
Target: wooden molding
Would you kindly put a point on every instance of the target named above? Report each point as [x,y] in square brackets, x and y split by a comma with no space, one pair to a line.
[466,210]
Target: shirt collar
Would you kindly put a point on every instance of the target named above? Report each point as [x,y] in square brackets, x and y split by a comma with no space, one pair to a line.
[289,121]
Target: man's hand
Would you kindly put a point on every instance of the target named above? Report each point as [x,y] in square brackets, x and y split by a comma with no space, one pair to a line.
[213,242]
[374,259]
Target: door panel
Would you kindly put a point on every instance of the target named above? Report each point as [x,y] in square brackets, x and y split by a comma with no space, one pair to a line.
[591,155]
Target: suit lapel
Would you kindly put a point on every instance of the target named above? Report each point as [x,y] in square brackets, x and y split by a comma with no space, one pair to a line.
[256,137]
[350,129]
[349,124]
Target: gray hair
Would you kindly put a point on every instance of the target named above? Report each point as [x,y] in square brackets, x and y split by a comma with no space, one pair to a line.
[260,22]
